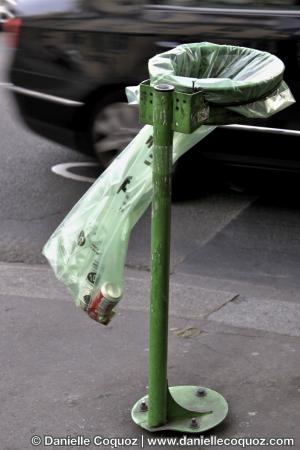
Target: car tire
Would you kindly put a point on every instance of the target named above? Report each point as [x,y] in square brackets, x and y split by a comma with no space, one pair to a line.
[114,124]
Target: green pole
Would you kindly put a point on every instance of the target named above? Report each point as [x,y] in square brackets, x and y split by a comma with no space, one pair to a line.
[160,253]
[190,409]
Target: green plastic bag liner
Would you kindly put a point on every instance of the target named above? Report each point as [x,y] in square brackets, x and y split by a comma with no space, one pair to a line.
[88,249]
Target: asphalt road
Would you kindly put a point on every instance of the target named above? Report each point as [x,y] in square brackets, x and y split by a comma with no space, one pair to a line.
[33,200]
[250,237]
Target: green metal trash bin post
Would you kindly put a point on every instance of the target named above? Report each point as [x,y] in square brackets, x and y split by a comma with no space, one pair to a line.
[181,408]
[172,107]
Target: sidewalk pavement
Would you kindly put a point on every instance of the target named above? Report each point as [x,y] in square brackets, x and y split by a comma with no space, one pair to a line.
[63,374]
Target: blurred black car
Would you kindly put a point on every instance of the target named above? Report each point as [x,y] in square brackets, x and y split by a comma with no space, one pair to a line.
[73,59]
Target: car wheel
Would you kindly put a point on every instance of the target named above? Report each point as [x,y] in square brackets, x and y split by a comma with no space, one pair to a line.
[115,123]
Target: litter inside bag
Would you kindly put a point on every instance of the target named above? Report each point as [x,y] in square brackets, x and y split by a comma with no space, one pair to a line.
[88,249]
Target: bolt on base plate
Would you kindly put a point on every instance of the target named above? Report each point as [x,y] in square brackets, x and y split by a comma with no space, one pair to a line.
[191,409]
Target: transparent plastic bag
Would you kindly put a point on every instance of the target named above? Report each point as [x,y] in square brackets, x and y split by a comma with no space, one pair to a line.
[88,249]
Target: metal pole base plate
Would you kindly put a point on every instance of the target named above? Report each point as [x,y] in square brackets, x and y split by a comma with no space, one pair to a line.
[191,409]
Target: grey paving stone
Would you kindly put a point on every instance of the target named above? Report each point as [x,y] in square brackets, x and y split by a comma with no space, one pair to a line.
[261,314]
